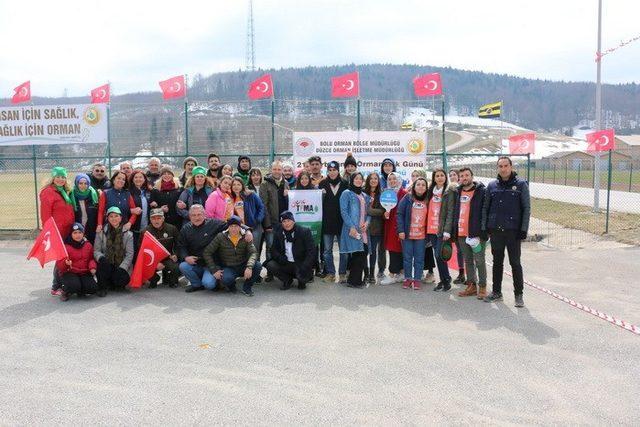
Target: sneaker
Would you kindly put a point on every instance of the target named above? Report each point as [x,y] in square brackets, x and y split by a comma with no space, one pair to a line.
[343,279]
[493,297]
[406,284]
[269,278]
[429,278]
[519,301]
[64,296]
[247,292]
[460,279]
[285,286]
[439,287]
[330,278]
[446,287]
[389,280]
[415,284]
[192,288]
[56,292]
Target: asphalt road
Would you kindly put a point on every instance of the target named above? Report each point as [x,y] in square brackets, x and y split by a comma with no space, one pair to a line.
[327,355]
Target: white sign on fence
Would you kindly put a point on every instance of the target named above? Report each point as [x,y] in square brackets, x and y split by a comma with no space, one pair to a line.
[53,124]
[370,148]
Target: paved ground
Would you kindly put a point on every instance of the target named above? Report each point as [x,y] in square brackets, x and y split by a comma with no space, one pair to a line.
[621,201]
[326,355]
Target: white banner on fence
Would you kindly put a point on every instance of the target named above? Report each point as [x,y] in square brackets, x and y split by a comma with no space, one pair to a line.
[53,124]
[369,148]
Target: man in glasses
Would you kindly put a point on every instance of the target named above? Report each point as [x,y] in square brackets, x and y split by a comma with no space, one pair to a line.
[99,177]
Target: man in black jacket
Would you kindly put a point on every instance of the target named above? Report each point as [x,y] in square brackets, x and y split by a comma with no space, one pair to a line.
[332,188]
[168,235]
[99,177]
[467,228]
[293,253]
[506,219]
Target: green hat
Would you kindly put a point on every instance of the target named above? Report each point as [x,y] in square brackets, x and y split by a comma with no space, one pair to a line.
[199,170]
[114,209]
[58,171]
[446,250]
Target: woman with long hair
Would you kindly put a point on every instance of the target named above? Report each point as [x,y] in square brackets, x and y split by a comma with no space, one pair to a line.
[219,205]
[117,196]
[376,226]
[225,170]
[354,238]
[113,252]
[196,192]
[304,181]
[454,176]
[412,221]
[140,189]
[86,205]
[255,180]
[440,214]
[165,195]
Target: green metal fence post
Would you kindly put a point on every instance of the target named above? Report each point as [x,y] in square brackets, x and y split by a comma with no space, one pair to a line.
[606,227]
[186,129]
[35,184]
[444,145]
[528,167]
[272,150]
[554,173]
[566,169]
[358,114]
[578,174]
[630,175]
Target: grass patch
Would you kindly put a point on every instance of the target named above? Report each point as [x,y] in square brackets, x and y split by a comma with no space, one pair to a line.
[623,227]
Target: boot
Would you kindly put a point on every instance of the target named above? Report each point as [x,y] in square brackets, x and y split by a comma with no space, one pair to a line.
[460,279]
[482,292]
[469,291]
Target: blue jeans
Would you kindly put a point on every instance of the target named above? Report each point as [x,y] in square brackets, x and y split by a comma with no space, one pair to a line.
[199,276]
[374,242]
[413,258]
[230,274]
[443,268]
[329,265]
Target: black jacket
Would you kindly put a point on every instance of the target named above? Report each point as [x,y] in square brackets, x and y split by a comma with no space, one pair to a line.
[193,240]
[507,204]
[304,249]
[169,198]
[101,184]
[477,210]
[331,218]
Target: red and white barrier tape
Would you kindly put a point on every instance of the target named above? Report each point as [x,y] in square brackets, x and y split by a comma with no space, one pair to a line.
[604,316]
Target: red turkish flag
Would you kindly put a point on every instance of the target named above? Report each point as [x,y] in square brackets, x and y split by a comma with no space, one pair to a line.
[150,254]
[601,140]
[345,86]
[427,85]
[101,95]
[22,93]
[49,245]
[174,87]
[524,143]
[453,261]
[262,87]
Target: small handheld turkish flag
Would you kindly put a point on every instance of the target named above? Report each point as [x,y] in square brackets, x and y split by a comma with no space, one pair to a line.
[261,87]
[428,85]
[101,95]
[22,93]
[150,254]
[174,87]
[345,86]
[601,140]
[524,143]
[49,245]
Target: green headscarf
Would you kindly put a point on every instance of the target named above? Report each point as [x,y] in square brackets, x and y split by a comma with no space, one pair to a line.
[60,171]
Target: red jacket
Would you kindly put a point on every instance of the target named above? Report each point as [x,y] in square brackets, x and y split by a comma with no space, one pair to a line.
[81,259]
[52,204]
[391,240]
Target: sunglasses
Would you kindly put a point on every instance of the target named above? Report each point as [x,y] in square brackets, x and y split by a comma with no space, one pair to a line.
[100,170]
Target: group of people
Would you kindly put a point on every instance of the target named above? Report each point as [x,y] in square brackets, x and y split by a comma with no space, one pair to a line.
[215,222]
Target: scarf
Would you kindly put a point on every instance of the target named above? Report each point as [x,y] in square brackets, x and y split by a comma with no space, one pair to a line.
[289,235]
[167,185]
[335,181]
[115,246]
[352,187]
[66,196]
[363,213]
[421,198]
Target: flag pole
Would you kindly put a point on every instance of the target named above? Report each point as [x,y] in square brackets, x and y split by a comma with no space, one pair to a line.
[273,130]
[596,157]
[606,227]
[109,129]
[35,175]
[186,118]
[444,145]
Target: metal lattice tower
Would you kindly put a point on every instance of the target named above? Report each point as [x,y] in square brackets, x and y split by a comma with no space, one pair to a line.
[251,53]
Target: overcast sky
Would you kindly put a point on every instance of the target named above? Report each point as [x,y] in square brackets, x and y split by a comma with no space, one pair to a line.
[79,45]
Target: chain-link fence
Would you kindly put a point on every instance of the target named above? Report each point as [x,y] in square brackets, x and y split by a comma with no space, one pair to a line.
[263,130]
